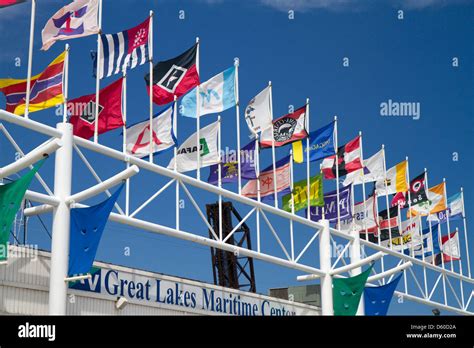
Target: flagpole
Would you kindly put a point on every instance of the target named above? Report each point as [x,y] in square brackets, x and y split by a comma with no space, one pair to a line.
[337,174]
[150,49]
[219,166]
[460,268]
[428,220]
[407,179]
[175,150]
[399,219]
[324,204]
[97,77]
[237,121]
[198,115]
[447,222]
[386,198]
[124,139]
[465,234]
[292,206]
[257,167]
[308,170]
[66,80]
[275,194]
[382,263]
[30,58]
[363,184]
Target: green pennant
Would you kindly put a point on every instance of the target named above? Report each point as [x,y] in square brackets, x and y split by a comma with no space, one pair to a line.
[11,195]
[346,293]
[300,194]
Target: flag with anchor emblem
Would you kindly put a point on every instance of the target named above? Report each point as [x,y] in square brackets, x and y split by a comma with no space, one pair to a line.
[258,113]
[82,111]
[174,77]
[138,135]
[77,19]
[267,187]
[215,95]
[286,129]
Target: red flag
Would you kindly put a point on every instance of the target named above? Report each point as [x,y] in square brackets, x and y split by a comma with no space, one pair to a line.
[348,160]
[5,3]
[82,111]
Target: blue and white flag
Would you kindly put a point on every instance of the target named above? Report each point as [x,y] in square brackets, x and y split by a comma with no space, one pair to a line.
[215,95]
[122,51]
[454,211]
[430,245]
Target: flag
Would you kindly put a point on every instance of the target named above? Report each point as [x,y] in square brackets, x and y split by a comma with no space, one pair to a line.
[396,180]
[122,51]
[82,111]
[6,3]
[454,211]
[174,77]
[348,158]
[215,95]
[77,19]
[138,135]
[429,245]
[417,193]
[435,204]
[267,190]
[286,129]
[372,171]
[258,112]
[330,207]
[87,226]
[406,235]
[46,89]
[346,292]
[229,166]
[300,194]
[364,217]
[321,145]
[11,196]
[186,154]
[377,299]
[450,248]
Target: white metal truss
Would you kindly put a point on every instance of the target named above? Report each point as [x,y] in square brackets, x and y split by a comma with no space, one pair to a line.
[290,254]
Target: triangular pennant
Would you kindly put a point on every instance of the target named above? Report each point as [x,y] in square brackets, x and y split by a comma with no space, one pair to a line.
[11,196]
[87,225]
[377,299]
[347,292]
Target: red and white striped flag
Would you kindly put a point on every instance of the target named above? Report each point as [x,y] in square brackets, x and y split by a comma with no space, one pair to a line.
[348,160]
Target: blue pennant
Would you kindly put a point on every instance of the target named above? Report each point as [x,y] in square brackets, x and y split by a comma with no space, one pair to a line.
[377,299]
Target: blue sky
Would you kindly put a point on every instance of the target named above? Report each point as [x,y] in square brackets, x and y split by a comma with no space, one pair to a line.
[407,60]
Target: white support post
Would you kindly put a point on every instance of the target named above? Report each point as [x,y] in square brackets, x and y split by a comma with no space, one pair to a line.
[198,115]
[468,261]
[355,257]
[97,79]
[325,266]
[237,121]
[336,146]
[61,223]
[150,63]
[65,82]
[30,58]
[275,193]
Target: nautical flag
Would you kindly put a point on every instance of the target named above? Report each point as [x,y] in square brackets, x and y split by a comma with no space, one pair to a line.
[454,211]
[267,190]
[215,95]
[300,194]
[450,248]
[138,135]
[429,245]
[186,154]
[396,180]
[377,299]
[384,222]
[82,111]
[46,89]
[87,226]
[286,129]
[6,3]
[321,145]
[364,217]
[174,77]
[348,158]
[372,171]
[122,51]
[11,196]
[229,166]
[77,19]
[330,206]
[435,204]
[346,292]
[406,235]
[258,112]
[417,193]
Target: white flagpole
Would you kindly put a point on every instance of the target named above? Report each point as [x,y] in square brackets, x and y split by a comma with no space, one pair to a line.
[428,220]
[363,185]
[275,194]
[237,121]
[386,198]
[97,78]
[336,145]
[465,234]
[460,268]
[65,83]
[175,129]
[382,264]
[324,204]
[399,219]
[308,170]
[257,167]
[219,166]
[124,139]
[198,115]
[150,49]
[30,57]
[407,178]
[447,220]
[292,206]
